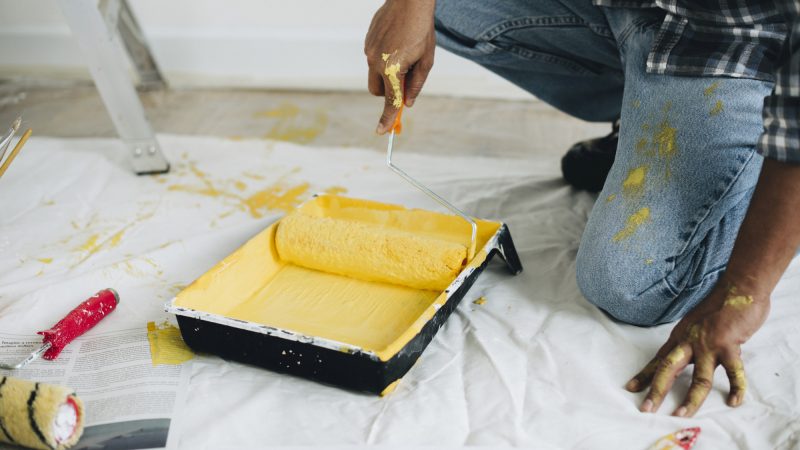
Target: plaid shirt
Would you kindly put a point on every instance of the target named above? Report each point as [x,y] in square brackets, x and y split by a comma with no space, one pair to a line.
[735,38]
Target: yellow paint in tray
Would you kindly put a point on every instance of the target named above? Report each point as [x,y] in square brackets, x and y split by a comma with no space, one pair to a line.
[254,284]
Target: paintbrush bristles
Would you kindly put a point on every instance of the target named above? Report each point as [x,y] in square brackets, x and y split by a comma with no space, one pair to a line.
[16,124]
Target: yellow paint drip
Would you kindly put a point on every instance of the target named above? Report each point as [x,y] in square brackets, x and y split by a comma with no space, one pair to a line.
[166,345]
[634,183]
[45,260]
[480,301]
[717,109]
[633,223]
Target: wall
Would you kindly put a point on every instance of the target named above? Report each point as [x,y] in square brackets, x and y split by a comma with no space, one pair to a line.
[316,44]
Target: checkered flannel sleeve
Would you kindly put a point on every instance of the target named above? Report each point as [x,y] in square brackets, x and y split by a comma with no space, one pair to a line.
[781,138]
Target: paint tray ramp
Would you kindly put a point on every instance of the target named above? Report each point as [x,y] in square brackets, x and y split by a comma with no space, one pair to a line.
[255,308]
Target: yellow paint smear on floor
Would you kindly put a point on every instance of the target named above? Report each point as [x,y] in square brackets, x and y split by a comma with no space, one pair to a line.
[45,260]
[275,197]
[633,223]
[166,345]
[336,190]
[292,124]
[634,182]
[480,301]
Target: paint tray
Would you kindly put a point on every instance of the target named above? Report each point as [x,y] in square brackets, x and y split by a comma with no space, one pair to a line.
[253,308]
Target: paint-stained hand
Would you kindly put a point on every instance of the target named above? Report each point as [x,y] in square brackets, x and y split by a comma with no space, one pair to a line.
[399,46]
[710,335]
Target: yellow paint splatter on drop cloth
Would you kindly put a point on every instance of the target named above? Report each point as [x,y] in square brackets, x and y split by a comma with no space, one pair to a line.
[709,91]
[275,197]
[633,223]
[292,124]
[166,345]
[717,109]
[240,185]
[336,190]
[90,246]
[480,300]
[634,182]
[45,260]
[392,71]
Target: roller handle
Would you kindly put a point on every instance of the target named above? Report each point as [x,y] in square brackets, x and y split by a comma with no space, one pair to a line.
[80,320]
[397,126]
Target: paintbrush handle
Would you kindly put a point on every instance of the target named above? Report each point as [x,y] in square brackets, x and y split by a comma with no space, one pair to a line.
[14,152]
[80,320]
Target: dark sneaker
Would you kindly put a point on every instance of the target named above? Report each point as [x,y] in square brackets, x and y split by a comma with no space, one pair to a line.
[587,163]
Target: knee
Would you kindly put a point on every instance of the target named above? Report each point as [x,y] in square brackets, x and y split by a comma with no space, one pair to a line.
[610,281]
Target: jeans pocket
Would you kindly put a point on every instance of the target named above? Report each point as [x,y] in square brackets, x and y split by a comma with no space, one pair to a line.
[501,52]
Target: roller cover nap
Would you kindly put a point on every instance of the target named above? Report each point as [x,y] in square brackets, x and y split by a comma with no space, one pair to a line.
[39,415]
[369,252]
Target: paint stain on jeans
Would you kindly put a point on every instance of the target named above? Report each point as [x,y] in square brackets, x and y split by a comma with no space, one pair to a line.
[634,222]
[717,108]
[709,91]
[634,183]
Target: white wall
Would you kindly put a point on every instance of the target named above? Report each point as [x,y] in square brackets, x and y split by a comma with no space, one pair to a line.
[316,44]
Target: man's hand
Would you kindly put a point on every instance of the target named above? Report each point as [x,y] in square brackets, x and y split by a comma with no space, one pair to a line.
[399,46]
[709,336]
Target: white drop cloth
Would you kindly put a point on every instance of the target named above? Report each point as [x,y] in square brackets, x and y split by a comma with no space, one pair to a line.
[536,365]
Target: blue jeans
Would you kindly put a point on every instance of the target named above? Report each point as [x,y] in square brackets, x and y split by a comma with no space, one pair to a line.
[661,231]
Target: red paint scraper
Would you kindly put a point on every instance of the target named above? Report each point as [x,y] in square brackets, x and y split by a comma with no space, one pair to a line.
[80,320]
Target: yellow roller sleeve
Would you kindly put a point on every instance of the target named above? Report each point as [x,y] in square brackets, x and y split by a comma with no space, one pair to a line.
[39,415]
[369,252]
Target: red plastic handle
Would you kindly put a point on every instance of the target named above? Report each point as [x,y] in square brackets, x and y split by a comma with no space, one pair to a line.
[79,321]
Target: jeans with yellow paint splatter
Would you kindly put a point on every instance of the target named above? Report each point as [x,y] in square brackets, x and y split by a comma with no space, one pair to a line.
[662,229]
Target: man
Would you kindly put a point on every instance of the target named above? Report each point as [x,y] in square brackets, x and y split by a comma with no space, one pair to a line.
[699,212]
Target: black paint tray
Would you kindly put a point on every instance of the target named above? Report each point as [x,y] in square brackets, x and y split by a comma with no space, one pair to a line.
[253,308]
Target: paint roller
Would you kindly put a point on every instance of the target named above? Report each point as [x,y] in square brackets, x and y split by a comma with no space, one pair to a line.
[47,416]
[372,252]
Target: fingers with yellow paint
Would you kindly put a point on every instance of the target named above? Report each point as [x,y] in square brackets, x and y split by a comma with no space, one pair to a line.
[666,372]
[734,368]
[702,381]
[642,379]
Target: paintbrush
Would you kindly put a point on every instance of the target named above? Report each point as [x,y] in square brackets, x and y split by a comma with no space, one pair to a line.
[7,140]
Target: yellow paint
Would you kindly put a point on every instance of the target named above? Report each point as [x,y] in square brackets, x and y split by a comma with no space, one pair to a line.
[254,176]
[390,388]
[636,103]
[275,197]
[480,301]
[255,285]
[641,145]
[90,246]
[292,124]
[675,356]
[392,71]
[633,223]
[709,91]
[166,345]
[665,139]
[739,301]
[694,333]
[648,261]
[717,108]
[45,260]
[336,190]
[611,198]
[634,183]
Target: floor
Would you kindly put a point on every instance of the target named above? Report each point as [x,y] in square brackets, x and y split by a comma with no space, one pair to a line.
[455,126]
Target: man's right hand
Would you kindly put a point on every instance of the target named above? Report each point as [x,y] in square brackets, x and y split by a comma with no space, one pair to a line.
[399,46]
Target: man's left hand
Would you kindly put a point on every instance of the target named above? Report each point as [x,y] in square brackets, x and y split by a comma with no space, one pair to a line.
[710,335]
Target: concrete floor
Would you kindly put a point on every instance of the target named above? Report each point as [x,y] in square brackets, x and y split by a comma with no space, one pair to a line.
[513,129]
